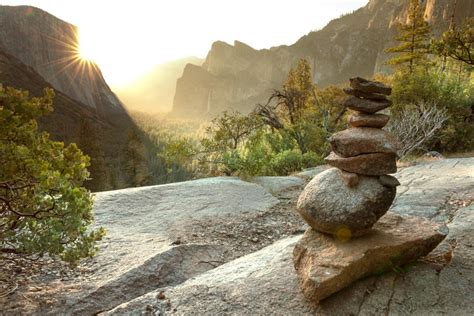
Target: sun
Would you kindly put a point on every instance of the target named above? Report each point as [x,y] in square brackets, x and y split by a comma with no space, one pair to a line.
[87,49]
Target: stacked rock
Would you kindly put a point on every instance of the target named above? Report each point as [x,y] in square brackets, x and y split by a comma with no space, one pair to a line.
[348,200]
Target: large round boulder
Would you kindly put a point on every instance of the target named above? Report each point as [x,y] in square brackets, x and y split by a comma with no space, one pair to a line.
[328,205]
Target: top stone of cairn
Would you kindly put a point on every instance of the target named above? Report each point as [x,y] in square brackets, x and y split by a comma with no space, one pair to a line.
[367,86]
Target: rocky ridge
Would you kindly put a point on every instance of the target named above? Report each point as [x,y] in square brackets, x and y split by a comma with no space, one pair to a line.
[38,50]
[215,225]
[347,202]
[238,77]
[51,47]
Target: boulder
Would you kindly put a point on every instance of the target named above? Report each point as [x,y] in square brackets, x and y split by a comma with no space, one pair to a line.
[368,120]
[365,95]
[328,205]
[367,86]
[326,265]
[365,105]
[389,181]
[367,164]
[363,140]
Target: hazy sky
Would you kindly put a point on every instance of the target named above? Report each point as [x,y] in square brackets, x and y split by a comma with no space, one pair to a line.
[126,38]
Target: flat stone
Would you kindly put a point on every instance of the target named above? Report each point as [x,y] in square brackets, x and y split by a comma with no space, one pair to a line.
[363,140]
[326,265]
[368,120]
[351,179]
[365,95]
[367,86]
[328,205]
[142,225]
[367,164]
[389,181]
[261,283]
[365,105]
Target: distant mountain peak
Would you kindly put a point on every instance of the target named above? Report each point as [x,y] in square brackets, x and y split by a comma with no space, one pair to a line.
[238,76]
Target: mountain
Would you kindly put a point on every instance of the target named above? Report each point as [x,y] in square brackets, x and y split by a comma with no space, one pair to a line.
[238,76]
[51,47]
[154,91]
[38,50]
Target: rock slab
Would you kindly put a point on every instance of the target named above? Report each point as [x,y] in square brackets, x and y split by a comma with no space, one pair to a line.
[367,86]
[367,164]
[363,140]
[368,120]
[366,105]
[328,205]
[326,265]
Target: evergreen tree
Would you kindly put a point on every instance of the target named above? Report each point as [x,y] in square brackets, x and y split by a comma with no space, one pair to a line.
[43,206]
[89,143]
[414,40]
[458,43]
[136,159]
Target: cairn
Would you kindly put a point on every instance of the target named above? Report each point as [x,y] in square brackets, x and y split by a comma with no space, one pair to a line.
[352,235]
[364,155]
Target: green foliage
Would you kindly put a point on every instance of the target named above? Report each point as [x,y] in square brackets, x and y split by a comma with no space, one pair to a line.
[43,206]
[446,91]
[287,134]
[302,112]
[286,162]
[458,43]
[414,38]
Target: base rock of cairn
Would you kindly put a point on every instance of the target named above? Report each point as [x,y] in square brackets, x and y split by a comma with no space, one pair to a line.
[350,235]
[328,205]
[326,265]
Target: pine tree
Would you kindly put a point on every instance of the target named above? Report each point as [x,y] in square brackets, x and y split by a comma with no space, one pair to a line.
[414,40]
[43,206]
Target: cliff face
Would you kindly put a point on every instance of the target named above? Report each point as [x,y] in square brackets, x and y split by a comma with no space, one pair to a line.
[50,46]
[154,91]
[239,76]
[38,50]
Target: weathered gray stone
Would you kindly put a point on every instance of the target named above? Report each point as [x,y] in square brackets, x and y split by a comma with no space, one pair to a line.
[326,265]
[365,95]
[174,265]
[367,86]
[420,289]
[389,181]
[366,164]
[260,283]
[329,206]
[426,187]
[365,105]
[363,140]
[276,185]
[368,120]
[142,224]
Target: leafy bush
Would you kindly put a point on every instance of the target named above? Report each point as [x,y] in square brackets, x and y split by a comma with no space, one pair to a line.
[287,161]
[312,159]
[450,93]
[43,206]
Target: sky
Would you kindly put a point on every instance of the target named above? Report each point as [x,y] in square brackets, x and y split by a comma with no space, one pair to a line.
[127,38]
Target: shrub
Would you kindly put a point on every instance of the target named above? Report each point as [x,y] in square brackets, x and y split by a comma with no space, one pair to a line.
[450,93]
[416,126]
[286,162]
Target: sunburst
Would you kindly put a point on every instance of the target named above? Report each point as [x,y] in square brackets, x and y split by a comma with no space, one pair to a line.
[69,56]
